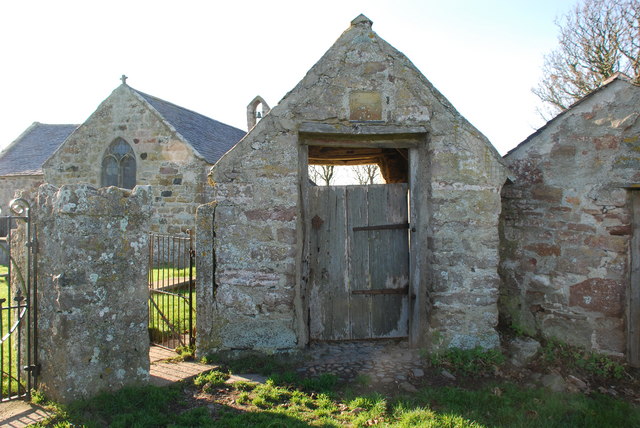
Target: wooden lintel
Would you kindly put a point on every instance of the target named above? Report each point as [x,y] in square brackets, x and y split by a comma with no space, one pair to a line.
[360,129]
[331,141]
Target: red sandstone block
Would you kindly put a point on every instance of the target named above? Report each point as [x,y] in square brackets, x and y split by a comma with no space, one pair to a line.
[599,295]
[544,249]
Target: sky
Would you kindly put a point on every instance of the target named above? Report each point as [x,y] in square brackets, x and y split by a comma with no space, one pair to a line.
[60,59]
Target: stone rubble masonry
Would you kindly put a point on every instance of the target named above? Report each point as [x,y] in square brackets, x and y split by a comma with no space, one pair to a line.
[9,184]
[92,292]
[177,175]
[258,221]
[566,222]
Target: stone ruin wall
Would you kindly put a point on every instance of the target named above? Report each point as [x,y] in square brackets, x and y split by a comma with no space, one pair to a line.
[252,230]
[92,289]
[178,178]
[566,225]
[464,208]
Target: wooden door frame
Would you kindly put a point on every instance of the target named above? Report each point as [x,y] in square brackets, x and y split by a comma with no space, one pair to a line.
[415,140]
[633,299]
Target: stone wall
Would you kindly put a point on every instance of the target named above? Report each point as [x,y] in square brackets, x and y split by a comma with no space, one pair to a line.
[464,183]
[163,160]
[92,293]
[566,224]
[9,184]
[259,229]
[255,225]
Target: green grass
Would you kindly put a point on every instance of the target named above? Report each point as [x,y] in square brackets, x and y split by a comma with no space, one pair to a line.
[9,350]
[174,308]
[278,405]
[169,273]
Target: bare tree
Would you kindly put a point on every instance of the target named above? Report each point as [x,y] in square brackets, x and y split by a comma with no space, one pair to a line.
[321,173]
[597,39]
[366,174]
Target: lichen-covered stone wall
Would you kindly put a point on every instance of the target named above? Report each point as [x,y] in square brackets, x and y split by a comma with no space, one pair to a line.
[9,184]
[566,224]
[178,177]
[259,227]
[255,224]
[92,289]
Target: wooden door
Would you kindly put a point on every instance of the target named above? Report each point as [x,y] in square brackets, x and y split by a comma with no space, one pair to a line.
[359,262]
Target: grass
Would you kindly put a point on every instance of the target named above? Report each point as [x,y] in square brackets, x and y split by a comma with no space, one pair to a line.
[9,351]
[175,307]
[168,274]
[277,403]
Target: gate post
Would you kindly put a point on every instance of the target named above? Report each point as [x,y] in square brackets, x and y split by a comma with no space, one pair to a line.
[93,292]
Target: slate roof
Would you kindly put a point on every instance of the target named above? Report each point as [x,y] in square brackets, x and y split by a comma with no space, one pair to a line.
[210,138]
[28,152]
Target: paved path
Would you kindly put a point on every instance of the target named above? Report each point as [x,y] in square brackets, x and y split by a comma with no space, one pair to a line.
[164,372]
[379,362]
[18,414]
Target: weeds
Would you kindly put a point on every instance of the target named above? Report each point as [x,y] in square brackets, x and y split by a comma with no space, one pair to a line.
[597,365]
[470,362]
[211,380]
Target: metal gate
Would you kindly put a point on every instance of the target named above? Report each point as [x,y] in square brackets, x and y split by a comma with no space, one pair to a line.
[359,264]
[172,290]
[18,303]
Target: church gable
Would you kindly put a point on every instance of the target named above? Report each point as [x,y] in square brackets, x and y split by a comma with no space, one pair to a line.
[363,101]
[121,116]
[128,141]
[362,82]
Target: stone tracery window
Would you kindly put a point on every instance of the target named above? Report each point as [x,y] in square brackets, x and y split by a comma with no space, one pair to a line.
[119,165]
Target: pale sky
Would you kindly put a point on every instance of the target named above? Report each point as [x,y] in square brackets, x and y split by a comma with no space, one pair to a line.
[61,58]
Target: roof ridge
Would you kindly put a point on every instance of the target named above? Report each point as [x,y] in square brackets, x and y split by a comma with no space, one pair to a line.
[143,94]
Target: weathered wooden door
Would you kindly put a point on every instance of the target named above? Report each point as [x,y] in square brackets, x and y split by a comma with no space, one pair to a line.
[359,264]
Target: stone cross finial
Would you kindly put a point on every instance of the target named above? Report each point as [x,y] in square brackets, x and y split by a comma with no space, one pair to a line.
[124,79]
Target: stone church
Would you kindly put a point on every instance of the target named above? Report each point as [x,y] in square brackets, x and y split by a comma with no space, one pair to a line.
[131,139]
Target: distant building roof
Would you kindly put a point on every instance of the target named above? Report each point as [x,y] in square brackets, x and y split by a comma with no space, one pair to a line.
[28,152]
[210,138]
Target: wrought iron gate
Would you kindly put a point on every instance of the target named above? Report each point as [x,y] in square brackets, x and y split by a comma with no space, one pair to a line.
[171,290]
[18,303]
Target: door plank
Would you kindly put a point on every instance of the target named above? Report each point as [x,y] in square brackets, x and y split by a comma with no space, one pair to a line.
[389,248]
[329,300]
[358,216]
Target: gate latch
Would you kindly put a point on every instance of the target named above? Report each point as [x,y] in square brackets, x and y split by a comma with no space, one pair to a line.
[34,369]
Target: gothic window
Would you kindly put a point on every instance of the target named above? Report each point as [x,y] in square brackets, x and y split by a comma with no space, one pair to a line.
[119,165]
